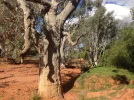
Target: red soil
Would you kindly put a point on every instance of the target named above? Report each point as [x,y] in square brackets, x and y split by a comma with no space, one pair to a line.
[20,82]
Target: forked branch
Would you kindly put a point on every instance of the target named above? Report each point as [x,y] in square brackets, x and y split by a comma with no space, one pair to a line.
[78,38]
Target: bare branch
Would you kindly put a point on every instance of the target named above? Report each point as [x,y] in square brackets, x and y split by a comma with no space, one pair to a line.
[78,38]
[68,10]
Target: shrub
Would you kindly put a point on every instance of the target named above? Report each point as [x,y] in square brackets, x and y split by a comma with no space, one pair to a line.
[121,52]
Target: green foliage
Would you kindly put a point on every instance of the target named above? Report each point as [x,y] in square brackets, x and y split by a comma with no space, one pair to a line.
[131,86]
[83,54]
[101,28]
[78,54]
[121,52]
[13,48]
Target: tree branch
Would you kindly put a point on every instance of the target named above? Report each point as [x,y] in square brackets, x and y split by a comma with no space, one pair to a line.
[67,11]
[27,25]
[78,38]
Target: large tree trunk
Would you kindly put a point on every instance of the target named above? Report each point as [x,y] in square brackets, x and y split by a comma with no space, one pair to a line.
[49,74]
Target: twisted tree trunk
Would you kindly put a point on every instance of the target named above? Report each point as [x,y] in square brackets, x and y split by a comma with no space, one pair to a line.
[49,73]
[50,43]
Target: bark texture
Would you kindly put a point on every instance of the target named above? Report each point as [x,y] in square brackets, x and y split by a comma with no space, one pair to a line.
[27,27]
[49,74]
[49,44]
[62,54]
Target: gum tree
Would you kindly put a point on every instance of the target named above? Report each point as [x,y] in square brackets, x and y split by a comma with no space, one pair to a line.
[49,42]
[101,29]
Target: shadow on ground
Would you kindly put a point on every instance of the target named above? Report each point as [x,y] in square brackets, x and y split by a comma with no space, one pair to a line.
[122,79]
[69,84]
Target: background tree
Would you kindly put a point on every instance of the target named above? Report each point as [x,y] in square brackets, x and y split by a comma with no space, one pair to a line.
[132,13]
[70,41]
[121,53]
[132,17]
[11,29]
[101,28]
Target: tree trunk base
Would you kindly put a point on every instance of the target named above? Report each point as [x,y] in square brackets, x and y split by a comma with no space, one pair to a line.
[50,93]
[49,87]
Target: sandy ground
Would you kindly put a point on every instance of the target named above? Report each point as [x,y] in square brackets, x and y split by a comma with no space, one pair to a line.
[20,82]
